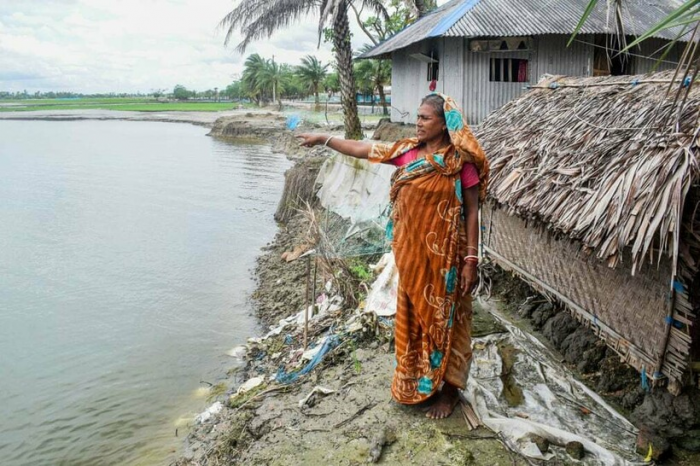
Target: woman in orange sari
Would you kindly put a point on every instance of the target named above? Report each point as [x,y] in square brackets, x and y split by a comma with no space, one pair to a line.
[434,231]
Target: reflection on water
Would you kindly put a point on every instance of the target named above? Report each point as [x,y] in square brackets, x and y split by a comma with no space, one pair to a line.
[125,252]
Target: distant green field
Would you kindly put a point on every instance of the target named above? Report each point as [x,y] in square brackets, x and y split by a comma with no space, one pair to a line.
[123,104]
[80,101]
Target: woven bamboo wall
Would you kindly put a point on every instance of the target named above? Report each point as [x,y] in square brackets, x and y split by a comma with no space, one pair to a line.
[684,317]
[628,312]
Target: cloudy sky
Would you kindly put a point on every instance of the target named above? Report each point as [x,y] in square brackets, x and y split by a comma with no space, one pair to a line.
[93,46]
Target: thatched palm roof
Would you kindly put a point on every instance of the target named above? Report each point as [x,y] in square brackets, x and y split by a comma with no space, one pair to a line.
[595,160]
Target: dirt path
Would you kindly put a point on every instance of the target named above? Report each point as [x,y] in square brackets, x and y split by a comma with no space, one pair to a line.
[355,423]
[359,422]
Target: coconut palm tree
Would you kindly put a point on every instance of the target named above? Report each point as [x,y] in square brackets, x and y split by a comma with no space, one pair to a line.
[259,19]
[252,70]
[374,74]
[273,78]
[312,73]
[420,8]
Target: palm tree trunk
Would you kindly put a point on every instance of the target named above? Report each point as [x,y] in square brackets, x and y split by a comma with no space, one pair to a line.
[382,99]
[424,7]
[317,108]
[343,56]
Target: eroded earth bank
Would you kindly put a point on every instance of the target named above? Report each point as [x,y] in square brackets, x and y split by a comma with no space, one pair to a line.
[331,404]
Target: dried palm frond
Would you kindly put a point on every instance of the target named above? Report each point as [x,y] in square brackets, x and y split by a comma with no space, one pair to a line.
[592,159]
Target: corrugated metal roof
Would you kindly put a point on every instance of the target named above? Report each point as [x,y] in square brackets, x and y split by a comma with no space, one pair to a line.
[496,18]
[415,32]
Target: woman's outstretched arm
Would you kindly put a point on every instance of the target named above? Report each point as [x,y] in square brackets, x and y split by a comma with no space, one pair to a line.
[357,149]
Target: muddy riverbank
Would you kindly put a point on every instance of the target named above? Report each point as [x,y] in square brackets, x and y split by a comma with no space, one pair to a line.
[356,421]
[340,412]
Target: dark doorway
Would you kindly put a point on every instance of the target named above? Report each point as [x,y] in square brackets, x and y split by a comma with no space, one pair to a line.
[607,59]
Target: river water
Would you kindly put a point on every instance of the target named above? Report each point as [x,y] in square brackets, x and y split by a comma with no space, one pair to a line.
[125,258]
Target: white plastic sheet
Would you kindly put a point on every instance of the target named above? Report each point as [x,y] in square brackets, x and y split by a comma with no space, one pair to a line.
[317,391]
[552,403]
[354,189]
[250,384]
[213,410]
[358,193]
[381,298]
[324,305]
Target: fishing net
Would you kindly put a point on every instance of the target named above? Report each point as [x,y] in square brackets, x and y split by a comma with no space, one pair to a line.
[355,195]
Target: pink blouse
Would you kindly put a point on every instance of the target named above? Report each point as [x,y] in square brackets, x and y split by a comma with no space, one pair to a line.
[469,175]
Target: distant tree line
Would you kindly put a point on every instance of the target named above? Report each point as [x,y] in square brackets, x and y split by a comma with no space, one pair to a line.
[23,95]
[179,93]
[255,20]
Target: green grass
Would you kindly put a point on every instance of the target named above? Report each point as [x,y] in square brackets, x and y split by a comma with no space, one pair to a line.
[79,101]
[147,104]
[360,269]
[122,104]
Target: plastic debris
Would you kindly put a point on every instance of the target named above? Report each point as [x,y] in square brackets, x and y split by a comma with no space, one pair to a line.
[310,400]
[550,406]
[329,343]
[293,121]
[239,352]
[250,384]
[311,353]
[211,411]
[358,191]
[323,306]
[381,298]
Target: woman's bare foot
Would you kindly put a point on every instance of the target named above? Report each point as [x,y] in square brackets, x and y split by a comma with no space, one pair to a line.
[445,403]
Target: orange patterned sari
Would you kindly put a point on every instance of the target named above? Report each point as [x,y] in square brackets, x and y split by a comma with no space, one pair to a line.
[433,320]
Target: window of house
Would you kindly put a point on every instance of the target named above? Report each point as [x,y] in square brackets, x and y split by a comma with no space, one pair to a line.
[434,71]
[508,70]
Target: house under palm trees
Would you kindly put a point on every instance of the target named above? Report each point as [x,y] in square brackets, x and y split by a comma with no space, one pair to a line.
[485,53]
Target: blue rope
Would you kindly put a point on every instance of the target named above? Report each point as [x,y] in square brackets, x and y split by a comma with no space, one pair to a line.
[678,286]
[671,321]
[285,378]
[387,322]
[645,380]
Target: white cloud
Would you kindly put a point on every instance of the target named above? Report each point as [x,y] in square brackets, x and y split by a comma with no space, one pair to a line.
[131,45]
